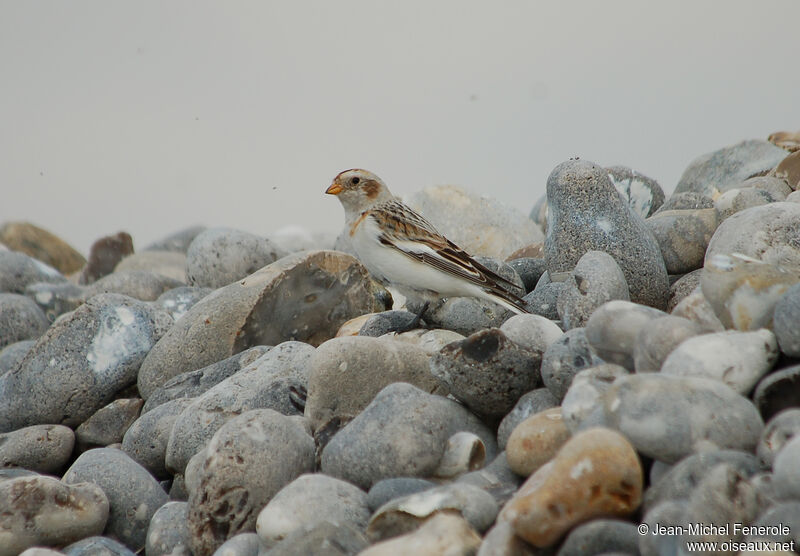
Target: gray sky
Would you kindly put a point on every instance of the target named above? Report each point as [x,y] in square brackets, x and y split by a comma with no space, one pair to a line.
[151,116]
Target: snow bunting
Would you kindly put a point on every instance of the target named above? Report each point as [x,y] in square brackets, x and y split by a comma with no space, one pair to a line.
[403,250]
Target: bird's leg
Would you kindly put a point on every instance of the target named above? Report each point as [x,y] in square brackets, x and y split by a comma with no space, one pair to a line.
[415,323]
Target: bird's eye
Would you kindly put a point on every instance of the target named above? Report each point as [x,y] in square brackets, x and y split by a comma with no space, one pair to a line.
[355,181]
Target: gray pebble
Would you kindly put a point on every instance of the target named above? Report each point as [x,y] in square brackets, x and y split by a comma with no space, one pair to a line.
[786,470]
[735,200]
[777,432]
[20,319]
[42,510]
[98,546]
[658,338]
[586,213]
[565,358]
[178,242]
[168,264]
[42,448]
[81,362]
[386,490]
[596,279]
[688,200]
[387,321]
[138,284]
[613,328]
[778,518]
[543,300]
[306,296]
[701,414]
[683,236]
[644,195]
[343,380]
[696,308]
[777,391]
[243,544]
[785,319]
[55,299]
[727,167]
[108,424]
[193,383]
[146,439]
[268,382]
[133,494]
[247,461]
[12,354]
[401,433]
[18,271]
[682,287]
[529,269]
[682,478]
[601,536]
[497,478]
[777,187]
[323,538]
[532,332]
[582,407]
[178,301]
[529,404]
[309,500]
[167,535]
[670,514]
[487,372]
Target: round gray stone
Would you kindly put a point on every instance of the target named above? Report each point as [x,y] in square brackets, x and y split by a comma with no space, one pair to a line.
[565,358]
[735,200]
[12,354]
[138,284]
[178,301]
[582,406]
[167,535]
[397,487]
[786,471]
[55,299]
[777,432]
[529,269]
[97,546]
[785,319]
[529,404]
[178,242]
[683,236]
[20,319]
[108,424]
[601,536]
[42,448]
[658,338]
[688,200]
[18,271]
[613,328]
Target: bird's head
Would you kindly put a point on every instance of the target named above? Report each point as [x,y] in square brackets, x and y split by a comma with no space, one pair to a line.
[358,189]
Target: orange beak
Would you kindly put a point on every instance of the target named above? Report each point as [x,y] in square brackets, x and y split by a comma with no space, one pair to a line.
[334,189]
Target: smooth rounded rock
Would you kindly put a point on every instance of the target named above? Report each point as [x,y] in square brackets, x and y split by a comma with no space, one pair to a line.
[444,533]
[683,236]
[55,299]
[582,406]
[565,358]
[529,269]
[687,200]
[529,404]
[431,341]
[596,279]
[108,424]
[778,187]
[777,391]
[782,522]
[612,330]
[595,474]
[133,494]
[766,233]
[320,538]
[682,287]
[669,417]
[267,383]
[543,300]
[12,354]
[397,487]
[777,432]
[138,284]
[743,291]
[20,319]
[643,195]
[306,297]
[480,225]
[387,321]
[18,271]
[658,338]
[696,308]
[343,381]
[167,535]
[178,301]
[735,200]
[586,213]
[785,318]
[98,546]
[403,432]
[738,359]
[601,536]
[42,448]
[672,516]
[308,500]
[727,167]
[218,256]
[81,362]
[535,441]
[178,241]
[44,511]
[104,255]
[403,515]
[786,471]
[41,245]
[487,372]
[169,264]
[532,332]
[248,460]
[496,478]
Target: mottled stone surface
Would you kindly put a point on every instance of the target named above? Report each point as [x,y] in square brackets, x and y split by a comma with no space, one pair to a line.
[18,271]
[42,448]
[20,319]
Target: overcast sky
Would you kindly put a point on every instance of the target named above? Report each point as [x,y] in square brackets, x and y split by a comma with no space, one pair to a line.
[151,116]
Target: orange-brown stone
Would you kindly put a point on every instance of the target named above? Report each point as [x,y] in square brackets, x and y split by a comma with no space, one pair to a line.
[535,441]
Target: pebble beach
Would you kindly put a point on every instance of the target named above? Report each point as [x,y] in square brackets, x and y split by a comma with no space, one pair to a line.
[224,393]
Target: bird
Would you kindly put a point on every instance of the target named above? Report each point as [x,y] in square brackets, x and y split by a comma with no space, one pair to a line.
[401,249]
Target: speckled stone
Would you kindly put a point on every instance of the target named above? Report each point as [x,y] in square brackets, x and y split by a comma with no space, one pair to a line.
[138,284]
[178,301]
[668,417]
[658,338]
[786,472]
[683,236]
[601,536]
[724,169]
[582,406]
[671,515]
[688,200]
[529,269]
[246,463]
[596,279]
[12,354]
[42,448]
[777,187]
[397,487]
[535,441]
[321,538]
[735,200]
[41,245]
[480,225]
[744,291]
[81,362]
[543,300]
[18,271]
[613,328]
[387,321]
[780,517]
[777,391]
[108,424]
[306,296]
[343,381]
[781,428]
[169,264]
[785,319]
[682,287]
[586,213]
[167,535]
[487,372]
[403,432]
[529,404]
[44,511]
[696,308]
[178,242]
[20,319]
[133,494]
[496,478]
[738,359]
[98,546]
[644,195]
[442,534]
[104,255]
[596,473]
[55,299]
